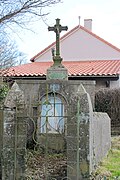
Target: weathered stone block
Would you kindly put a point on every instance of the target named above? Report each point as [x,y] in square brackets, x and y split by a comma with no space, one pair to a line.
[9,159]
[72,142]
[102,135]
[72,130]
[9,115]
[71,119]
[21,141]
[21,127]
[57,73]
[72,155]
[9,141]
[9,129]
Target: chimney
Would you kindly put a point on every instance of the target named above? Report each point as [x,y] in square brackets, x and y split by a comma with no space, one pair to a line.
[88,24]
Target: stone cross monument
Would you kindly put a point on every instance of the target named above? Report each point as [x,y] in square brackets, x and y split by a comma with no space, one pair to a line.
[57,71]
[57,28]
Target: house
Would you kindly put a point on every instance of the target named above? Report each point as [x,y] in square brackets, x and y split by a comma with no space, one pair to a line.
[85,55]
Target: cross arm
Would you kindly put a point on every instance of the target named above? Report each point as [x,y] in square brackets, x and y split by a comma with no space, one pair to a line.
[64,28]
[51,28]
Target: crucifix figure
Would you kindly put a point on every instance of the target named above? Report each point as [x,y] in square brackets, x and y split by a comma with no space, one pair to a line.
[57,28]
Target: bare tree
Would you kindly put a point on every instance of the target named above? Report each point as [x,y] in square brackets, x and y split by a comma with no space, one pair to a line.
[17,12]
[9,53]
[21,11]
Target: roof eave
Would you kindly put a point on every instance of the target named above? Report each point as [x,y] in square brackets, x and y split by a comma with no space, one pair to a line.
[114,76]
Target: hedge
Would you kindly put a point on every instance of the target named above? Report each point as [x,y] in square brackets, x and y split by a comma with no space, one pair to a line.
[108,100]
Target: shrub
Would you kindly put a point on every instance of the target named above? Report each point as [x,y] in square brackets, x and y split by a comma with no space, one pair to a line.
[3,91]
[108,100]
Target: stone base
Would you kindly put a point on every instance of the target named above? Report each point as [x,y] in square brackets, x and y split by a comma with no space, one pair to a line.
[57,73]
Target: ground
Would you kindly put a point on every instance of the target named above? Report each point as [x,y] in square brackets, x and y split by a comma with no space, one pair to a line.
[38,162]
[42,166]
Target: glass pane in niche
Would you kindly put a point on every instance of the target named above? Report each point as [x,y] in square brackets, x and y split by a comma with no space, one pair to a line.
[52,115]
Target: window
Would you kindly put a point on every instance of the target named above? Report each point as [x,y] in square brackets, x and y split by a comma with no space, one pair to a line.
[52,114]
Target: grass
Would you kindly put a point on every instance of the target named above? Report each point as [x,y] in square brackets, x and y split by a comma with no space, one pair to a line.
[109,168]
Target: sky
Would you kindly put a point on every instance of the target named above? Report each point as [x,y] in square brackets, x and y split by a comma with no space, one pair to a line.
[105,15]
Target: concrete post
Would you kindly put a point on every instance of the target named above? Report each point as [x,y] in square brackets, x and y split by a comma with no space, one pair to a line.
[80,137]
[14,135]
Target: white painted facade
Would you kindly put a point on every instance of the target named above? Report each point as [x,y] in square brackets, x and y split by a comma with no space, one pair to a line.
[80,46]
[115,84]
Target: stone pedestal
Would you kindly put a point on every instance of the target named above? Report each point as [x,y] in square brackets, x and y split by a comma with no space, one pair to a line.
[56,72]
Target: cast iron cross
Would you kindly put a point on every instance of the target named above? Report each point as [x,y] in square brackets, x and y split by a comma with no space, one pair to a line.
[57,28]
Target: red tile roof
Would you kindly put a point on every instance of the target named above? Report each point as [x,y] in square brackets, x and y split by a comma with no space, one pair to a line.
[75,68]
[68,34]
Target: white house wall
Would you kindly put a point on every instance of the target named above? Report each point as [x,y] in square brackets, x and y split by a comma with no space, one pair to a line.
[115,84]
[82,46]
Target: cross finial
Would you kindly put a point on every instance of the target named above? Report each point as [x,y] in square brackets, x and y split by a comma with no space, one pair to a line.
[57,28]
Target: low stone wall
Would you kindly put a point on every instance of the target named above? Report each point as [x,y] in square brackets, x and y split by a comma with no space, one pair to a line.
[102,135]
